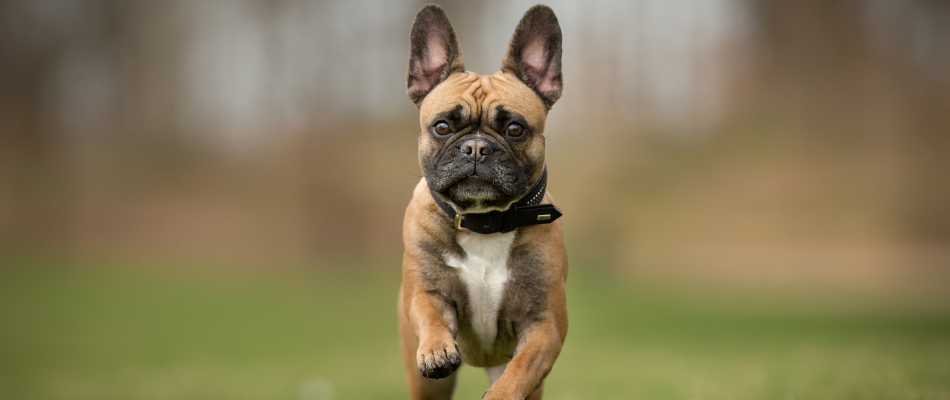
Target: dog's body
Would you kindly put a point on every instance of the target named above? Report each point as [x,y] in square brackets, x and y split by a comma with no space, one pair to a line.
[494,299]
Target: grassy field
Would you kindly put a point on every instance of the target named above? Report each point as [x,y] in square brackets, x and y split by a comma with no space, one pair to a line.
[94,329]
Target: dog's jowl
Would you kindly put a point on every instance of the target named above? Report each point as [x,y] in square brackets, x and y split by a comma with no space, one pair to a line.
[484,266]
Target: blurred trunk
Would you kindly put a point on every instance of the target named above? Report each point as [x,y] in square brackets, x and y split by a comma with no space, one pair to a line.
[28,145]
[810,53]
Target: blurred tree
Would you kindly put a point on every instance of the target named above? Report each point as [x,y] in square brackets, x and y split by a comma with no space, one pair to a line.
[860,74]
[123,105]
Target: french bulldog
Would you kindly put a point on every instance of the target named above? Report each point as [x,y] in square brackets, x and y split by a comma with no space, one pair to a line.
[484,267]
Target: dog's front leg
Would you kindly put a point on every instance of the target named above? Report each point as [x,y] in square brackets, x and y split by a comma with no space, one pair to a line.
[538,347]
[434,322]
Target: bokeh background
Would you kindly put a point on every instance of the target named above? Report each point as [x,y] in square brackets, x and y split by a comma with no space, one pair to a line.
[203,199]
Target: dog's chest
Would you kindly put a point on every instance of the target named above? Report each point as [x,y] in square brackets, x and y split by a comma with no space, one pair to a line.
[483,270]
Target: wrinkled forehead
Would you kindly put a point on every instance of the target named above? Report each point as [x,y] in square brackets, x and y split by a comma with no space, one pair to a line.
[480,95]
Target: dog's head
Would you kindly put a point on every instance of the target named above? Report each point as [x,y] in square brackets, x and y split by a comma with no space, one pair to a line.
[482,142]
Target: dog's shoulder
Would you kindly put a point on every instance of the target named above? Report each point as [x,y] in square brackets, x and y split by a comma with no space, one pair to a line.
[427,234]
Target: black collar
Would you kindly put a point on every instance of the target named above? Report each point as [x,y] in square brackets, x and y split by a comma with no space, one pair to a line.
[525,212]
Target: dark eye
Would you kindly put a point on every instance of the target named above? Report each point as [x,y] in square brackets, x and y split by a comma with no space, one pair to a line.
[442,128]
[514,130]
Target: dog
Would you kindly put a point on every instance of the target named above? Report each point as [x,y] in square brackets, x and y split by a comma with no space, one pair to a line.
[484,267]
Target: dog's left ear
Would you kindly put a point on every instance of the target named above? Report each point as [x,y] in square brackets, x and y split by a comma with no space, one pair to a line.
[434,52]
[534,54]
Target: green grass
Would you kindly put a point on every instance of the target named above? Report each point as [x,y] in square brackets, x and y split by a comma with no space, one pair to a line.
[93,329]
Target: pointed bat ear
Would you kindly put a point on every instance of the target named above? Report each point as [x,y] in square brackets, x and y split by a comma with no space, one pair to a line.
[534,54]
[434,52]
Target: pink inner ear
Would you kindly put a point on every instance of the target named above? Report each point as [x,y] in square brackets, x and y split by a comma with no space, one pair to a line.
[436,54]
[426,73]
[533,55]
[540,75]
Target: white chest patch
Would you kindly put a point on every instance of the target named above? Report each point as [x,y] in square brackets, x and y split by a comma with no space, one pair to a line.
[484,271]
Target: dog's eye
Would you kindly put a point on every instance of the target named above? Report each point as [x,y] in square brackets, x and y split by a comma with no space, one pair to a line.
[442,128]
[514,130]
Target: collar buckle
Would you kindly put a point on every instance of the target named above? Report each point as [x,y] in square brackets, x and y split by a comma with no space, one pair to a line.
[458,222]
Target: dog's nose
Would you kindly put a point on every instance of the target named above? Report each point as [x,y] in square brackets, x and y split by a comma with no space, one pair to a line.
[476,149]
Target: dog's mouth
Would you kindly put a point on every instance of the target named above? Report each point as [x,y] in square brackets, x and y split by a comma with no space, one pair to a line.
[479,193]
[490,183]
[474,189]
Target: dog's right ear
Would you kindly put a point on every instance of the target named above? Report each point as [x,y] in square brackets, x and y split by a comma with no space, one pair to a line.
[434,52]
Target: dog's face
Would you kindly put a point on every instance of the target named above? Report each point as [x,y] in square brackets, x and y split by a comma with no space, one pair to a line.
[482,142]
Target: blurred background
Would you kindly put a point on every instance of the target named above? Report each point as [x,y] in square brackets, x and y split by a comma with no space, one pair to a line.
[203,199]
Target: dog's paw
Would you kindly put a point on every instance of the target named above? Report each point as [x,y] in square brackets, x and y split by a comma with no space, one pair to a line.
[438,359]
